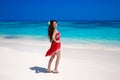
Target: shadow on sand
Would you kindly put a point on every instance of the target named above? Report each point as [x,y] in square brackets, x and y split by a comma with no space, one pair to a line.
[38,69]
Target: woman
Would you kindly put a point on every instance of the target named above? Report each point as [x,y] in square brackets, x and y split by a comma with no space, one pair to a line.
[54,49]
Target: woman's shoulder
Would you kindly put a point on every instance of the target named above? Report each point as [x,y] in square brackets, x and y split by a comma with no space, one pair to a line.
[56,31]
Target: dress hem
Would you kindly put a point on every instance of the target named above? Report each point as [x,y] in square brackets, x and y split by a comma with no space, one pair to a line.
[53,53]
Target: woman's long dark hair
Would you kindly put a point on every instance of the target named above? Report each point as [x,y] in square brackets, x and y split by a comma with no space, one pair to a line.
[51,29]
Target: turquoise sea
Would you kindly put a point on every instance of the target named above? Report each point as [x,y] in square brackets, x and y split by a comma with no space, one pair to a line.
[83,32]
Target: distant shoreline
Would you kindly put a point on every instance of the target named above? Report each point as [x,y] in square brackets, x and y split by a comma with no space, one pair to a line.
[68,41]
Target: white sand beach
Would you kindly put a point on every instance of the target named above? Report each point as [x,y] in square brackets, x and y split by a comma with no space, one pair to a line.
[24,59]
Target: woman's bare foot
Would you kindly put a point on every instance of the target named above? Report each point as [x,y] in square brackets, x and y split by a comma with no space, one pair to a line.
[49,71]
[55,71]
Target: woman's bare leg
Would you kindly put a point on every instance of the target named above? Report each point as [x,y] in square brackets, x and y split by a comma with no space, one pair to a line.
[49,63]
[58,54]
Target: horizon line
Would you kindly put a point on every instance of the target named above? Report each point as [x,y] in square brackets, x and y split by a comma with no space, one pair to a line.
[62,20]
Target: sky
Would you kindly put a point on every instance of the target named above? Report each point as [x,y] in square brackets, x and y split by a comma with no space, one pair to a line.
[60,9]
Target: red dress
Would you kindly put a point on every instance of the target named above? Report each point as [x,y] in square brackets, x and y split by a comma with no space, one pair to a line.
[54,46]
